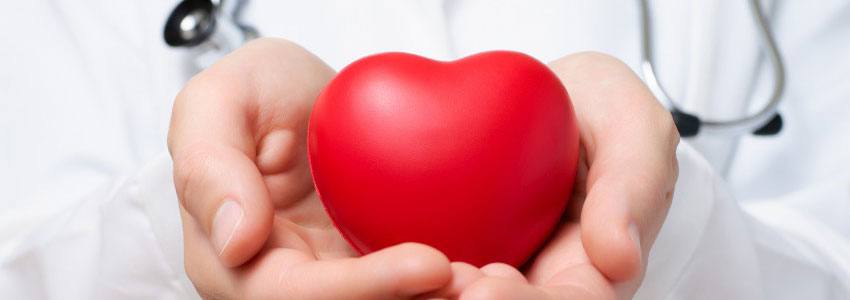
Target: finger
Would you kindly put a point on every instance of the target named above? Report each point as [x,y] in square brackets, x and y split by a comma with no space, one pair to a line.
[217,122]
[502,270]
[581,282]
[403,271]
[215,176]
[495,288]
[257,279]
[463,275]
[397,272]
[630,143]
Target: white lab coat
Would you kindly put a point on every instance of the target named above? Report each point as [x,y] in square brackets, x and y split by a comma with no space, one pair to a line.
[86,90]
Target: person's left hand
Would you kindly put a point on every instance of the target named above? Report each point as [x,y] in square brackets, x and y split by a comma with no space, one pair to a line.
[622,192]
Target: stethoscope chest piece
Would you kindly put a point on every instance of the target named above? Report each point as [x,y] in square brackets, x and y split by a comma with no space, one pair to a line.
[190,23]
[209,29]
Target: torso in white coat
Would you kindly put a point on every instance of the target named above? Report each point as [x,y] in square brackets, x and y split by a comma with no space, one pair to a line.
[87,87]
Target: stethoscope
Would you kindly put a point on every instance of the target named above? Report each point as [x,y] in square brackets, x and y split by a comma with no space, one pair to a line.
[213,28]
[208,28]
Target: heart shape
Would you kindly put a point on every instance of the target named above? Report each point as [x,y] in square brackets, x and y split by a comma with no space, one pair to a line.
[475,157]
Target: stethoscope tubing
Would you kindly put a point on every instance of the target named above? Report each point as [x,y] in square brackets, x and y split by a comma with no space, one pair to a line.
[229,32]
[738,126]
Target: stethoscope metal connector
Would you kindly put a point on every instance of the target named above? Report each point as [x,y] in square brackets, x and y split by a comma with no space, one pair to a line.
[208,28]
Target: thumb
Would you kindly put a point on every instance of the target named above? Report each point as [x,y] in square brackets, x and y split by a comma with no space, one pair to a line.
[217,181]
[224,192]
[630,144]
[217,121]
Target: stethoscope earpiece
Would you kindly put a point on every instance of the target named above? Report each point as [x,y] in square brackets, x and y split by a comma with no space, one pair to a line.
[190,23]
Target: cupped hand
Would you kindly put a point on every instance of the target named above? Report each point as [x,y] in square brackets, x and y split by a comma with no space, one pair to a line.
[252,223]
[623,190]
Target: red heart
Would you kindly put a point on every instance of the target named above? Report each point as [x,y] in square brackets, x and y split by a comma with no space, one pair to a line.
[475,157]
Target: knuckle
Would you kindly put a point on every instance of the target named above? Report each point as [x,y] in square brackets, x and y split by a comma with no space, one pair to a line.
[210,84]
[594,57]
[282,48]
[668,127]
[485,289]
[189,159]
[195,97]
[589,61]
[275,42]
[267,60]
[190,165]
[421,259]
[279,47]
[665,128]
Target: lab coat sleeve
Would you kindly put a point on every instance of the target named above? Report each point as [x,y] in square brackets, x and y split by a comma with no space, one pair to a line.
[713,247]
[705,231]
[122,241]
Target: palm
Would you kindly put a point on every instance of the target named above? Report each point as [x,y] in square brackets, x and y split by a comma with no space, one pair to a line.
[564,269]
[563,262]
[563,266]
[301,222]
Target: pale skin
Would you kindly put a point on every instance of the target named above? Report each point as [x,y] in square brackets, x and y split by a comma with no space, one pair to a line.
[254,228]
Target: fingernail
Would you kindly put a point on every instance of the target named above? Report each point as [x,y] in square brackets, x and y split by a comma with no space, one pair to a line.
[225,222]
[635,235]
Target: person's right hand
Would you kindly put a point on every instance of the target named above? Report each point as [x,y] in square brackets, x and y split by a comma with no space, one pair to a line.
[253,226]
